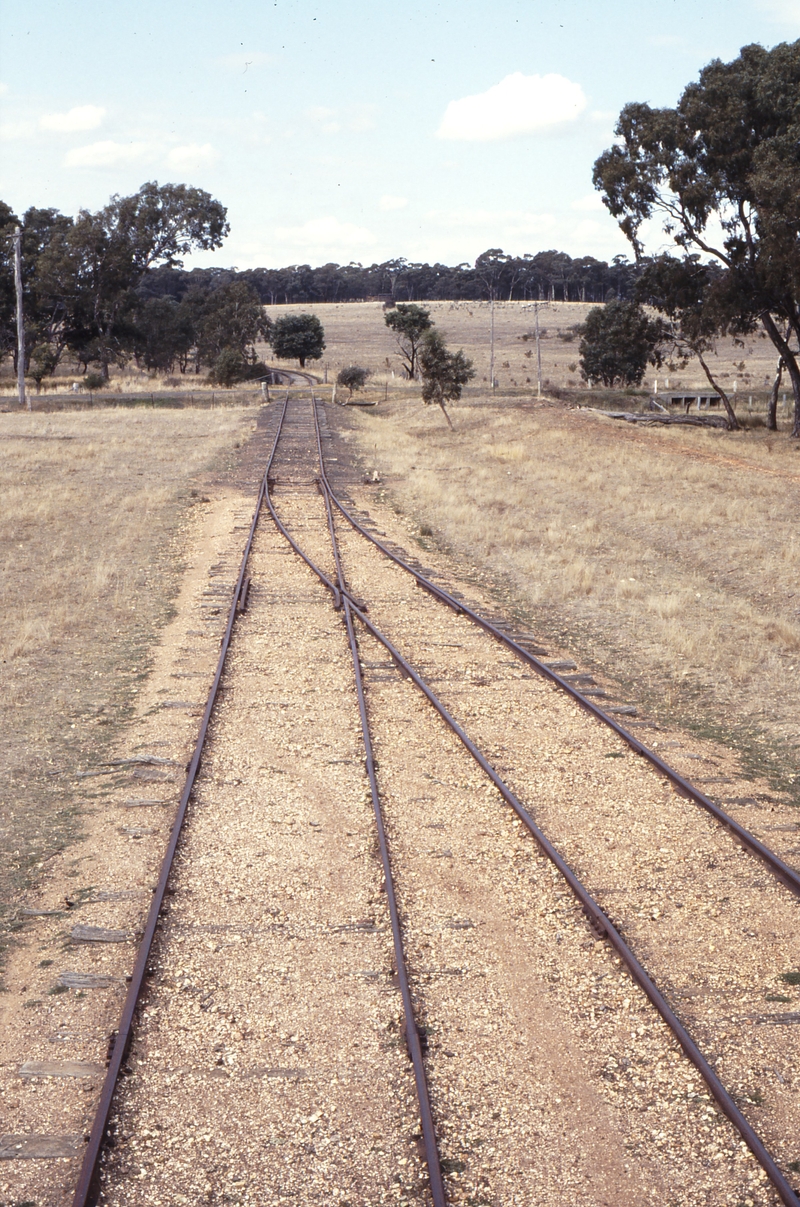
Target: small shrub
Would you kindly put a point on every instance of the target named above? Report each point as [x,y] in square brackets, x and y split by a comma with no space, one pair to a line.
[95,381]
[232,366]
[353,377]
[44,362]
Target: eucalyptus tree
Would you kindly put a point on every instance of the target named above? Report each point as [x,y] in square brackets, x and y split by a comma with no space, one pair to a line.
[444,373]
[618,341]
[721,171]
[95,265]
[297,337]
[409,322]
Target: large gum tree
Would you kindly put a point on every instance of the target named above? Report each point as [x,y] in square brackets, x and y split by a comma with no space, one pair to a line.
[722,172]
[96,263]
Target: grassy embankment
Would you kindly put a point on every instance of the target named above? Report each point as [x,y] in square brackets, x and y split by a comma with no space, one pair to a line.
[93,510]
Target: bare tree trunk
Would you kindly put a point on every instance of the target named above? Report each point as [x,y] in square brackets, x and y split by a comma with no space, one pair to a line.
[447,417]
[772,409]
[790,361]
[733,422]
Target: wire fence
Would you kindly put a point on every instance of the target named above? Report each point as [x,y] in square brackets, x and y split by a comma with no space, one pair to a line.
[164,399]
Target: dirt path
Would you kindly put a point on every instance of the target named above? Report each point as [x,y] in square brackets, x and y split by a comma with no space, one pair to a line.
[75,933]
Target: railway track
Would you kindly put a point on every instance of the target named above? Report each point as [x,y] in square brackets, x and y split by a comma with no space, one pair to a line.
[387,633]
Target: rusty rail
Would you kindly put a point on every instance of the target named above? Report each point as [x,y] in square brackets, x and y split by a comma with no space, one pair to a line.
[781,870]
[85,1191]
[342,599]
[594,912]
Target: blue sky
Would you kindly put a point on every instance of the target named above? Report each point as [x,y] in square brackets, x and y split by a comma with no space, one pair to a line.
[356,130]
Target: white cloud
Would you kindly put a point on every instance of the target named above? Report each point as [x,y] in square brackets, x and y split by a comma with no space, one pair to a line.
[82,117]
[104,154]
[12,130]
[512,223]
[592,201]
[192,157]
[519,104]
[361,118]
[357,118]
[3,89]
[322,237]
[784,12]
[387,202]
[324,118]
[458,234]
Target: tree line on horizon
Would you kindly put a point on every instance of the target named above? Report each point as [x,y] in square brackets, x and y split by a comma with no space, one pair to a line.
[108,288]
[720,172]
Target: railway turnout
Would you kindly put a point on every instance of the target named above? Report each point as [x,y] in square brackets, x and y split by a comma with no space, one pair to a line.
[433,928]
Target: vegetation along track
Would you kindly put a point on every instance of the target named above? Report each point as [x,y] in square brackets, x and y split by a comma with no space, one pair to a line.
[542,1071]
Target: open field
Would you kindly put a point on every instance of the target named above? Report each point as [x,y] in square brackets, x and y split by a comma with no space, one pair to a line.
[666,559]
[94,509]
[356,332]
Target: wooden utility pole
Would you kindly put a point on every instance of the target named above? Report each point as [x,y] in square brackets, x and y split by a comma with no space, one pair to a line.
[20,318]
[491,344]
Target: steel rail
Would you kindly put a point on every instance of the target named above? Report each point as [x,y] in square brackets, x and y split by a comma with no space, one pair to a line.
[343,599]
[601,922]
[85,1189]
[788,875]
[432,1158]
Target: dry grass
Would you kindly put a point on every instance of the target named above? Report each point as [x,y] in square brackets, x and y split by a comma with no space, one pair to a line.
[80,499]
[91,510]
[356,332]
[673,553]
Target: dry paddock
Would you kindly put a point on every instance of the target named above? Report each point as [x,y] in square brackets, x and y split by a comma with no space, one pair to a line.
[666,561]
[269,1065]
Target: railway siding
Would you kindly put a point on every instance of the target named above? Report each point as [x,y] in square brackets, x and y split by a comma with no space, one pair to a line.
[712,925]
[549,1073]
[268,1063]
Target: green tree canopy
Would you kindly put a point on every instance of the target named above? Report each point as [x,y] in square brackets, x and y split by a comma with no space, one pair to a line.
[409,323]
[618,340]
[444,374]
[722,173]
[298,337]
[352,377]
[231,317]
[92,268]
